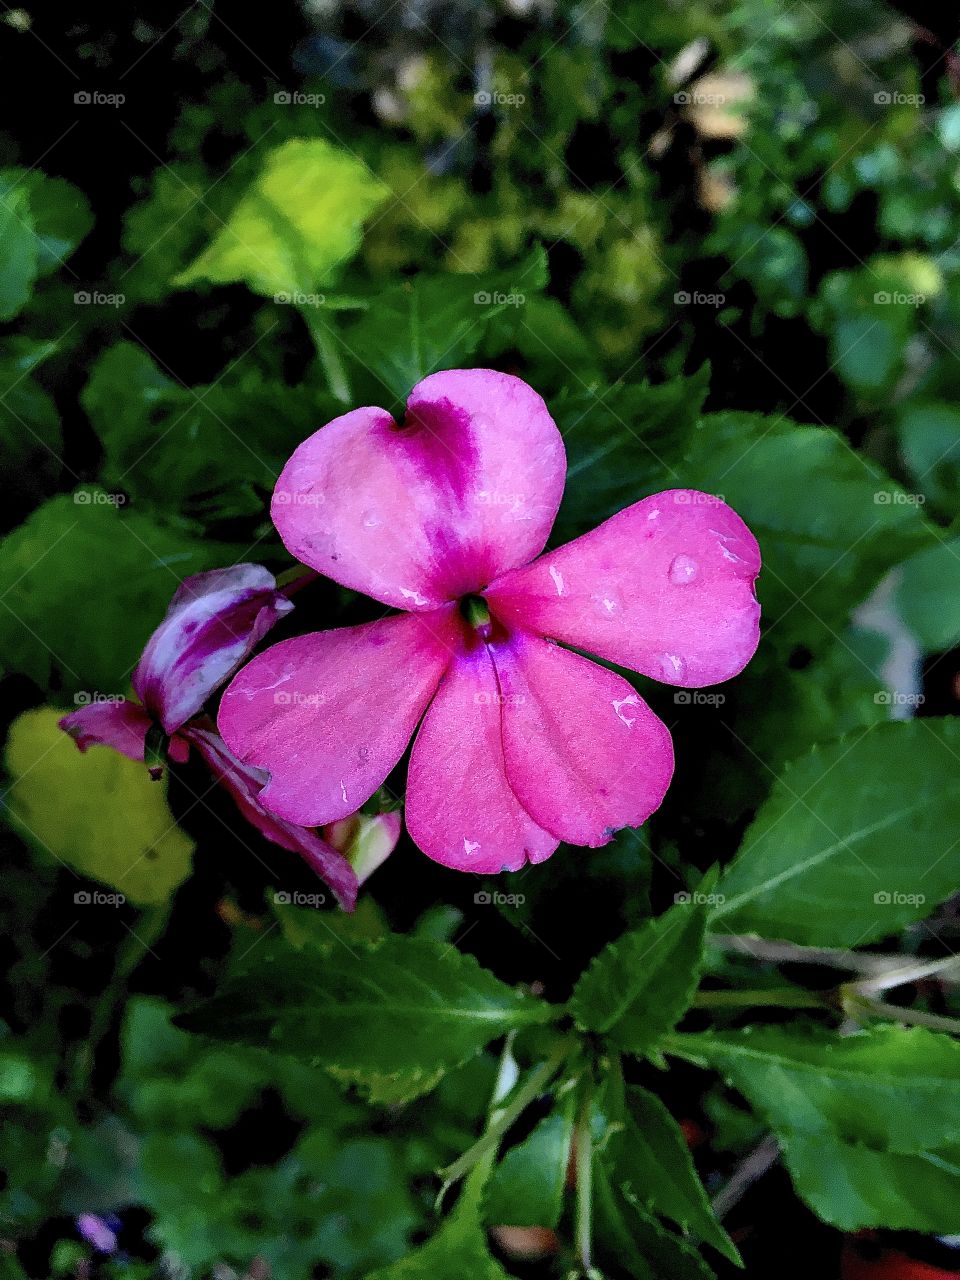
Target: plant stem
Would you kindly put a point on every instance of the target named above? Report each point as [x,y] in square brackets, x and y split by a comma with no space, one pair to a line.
[779,997]
[329,357]
[857,1007]
[747,1172]
[503,1118]
[778,952]
[584,1175]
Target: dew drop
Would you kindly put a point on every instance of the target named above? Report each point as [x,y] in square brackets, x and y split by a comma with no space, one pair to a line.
[671,666]
[683,569]
[371,520]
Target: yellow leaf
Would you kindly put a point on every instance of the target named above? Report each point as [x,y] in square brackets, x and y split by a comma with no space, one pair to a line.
[99,812]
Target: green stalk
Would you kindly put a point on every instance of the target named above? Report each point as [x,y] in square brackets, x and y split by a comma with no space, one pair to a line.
[328,355]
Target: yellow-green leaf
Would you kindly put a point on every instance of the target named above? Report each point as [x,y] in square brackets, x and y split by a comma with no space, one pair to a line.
[98,811]
[296,224]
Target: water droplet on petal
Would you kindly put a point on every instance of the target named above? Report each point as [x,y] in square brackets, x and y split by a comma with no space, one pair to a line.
[671,666]
[371,520]
[557,577]
[470,846]
[683,569]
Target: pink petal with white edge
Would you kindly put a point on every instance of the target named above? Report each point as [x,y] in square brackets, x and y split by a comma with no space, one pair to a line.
[214,621]
[119,723]
[584,753]
[664,587]
[460,809]
[420,514]
[329,714]
[244,785]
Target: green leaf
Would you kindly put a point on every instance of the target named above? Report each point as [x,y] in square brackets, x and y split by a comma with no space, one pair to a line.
[845,523]
[433,1006]
[296,225]
[458,1250]
[629,1237]
[651,1161]
[526,1188]
[429,323]
[29,428]
[890,1088]
[77,808]
[852,1186]
[855,841]
[83,584]
[213,453]
[928,596]
[42,220]
[623,443]
[929,435]
[640,985]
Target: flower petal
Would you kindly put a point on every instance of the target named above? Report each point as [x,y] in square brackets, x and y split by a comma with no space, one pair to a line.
[584,753]
[420,514]
[366,840]
[664,587]
[245,784]
[329,714]
[461,810]
[118,723]
[213,622]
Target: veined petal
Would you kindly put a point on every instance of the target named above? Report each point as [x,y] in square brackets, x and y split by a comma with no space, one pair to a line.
[244,785]
[119,723]
[584,753]
[329,714]
[420,514]
[664,587]
[461,810]
[213,623]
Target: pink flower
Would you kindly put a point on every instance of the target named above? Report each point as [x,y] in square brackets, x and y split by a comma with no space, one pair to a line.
[213,623]
[523,743]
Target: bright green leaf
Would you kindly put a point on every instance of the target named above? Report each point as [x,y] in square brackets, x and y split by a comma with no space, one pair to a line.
[296,225]
[856,839]
[97,811]
[526,1188]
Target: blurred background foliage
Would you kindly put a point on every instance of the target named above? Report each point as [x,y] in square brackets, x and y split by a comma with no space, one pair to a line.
[724,237]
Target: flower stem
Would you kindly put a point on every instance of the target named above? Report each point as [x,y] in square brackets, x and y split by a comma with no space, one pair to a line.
[584,1183]
[333,367]
[778,997]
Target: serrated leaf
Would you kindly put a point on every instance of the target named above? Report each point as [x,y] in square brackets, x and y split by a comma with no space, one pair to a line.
[429,323]
[80,809]
[296,225]
[856,840]
[640,985]
[845,524]
[633,1239]
[433,1006]
[891,1088]
[623,443]
[526,1188]
[84,583]
[651,1161]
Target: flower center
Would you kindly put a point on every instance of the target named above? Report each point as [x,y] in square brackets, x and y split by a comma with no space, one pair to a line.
[476,613]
